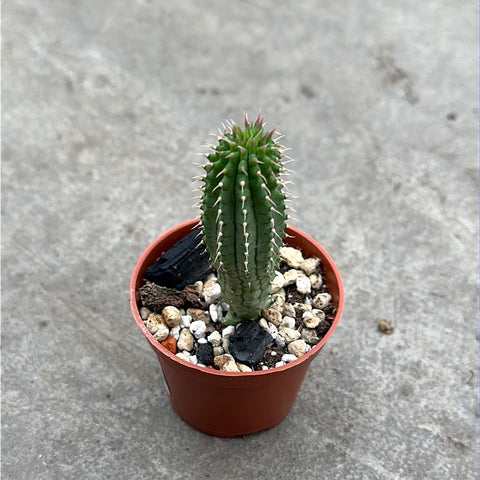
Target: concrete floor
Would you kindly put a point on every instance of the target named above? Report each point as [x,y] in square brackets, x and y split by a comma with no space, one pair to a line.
[105,105]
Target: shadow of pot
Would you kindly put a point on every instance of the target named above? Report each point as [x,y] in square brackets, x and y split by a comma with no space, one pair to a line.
[229,404]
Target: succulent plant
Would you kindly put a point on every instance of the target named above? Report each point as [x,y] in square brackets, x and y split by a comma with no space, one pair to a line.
[243,215]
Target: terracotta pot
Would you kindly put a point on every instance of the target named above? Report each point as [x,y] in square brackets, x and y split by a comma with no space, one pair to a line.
[228,404]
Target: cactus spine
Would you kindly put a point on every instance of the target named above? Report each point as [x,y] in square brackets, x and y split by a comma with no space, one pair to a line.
[243,215]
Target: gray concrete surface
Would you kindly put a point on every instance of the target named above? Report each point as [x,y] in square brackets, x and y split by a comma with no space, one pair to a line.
[104,106]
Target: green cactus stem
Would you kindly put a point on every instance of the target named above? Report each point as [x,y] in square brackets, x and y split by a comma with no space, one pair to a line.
[243,215]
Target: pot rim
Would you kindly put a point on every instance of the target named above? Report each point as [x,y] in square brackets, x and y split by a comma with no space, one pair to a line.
[193,224]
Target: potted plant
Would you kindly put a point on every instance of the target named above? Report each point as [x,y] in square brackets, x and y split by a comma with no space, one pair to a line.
[243,228]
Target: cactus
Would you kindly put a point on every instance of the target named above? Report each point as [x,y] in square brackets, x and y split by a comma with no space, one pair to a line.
[243,215]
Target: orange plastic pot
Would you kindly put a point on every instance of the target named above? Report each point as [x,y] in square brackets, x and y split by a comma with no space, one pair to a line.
[228,404]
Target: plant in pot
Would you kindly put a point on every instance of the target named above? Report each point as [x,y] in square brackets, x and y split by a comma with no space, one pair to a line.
[267,290]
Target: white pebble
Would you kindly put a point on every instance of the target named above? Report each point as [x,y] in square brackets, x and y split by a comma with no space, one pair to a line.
[212,309]
[185,340]
[291,256]
[162,332]
[202,340]
[243,368]
[303,285]
[272,315]
[288,357]
[288,322]
[175,332]
[264,367]
[183,356]
[310,265]
[151,324]
[228,331]
[144,313]
[171,316]
[218,351]
[280,341]
[310,336]
[198,328]
[186,320]
[211,291]
[193,359]
[322,300]
[310,321]
[290,277]
[263,324]
[226,363]
[320,314]
[316,281]
[273,330]
[279,297]
[288,310]
[215,338]
[289,334]
[297,348]
[278,282]
[278,301]
[279,364]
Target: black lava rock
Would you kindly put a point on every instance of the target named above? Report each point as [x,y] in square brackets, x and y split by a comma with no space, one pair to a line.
[205,354]
[183,264]
[249,342]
